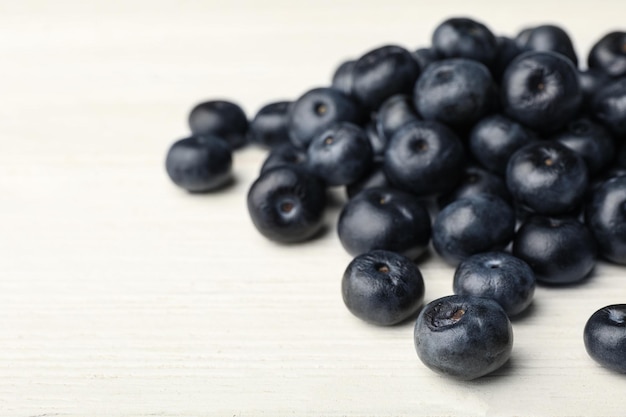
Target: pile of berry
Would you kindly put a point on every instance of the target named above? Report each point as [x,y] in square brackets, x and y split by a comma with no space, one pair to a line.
[501,151]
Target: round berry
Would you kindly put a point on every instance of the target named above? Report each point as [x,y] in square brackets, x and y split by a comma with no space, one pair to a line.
[220,118]
[547,178]
[497,275]
[287,204]
[387,219]
[464,337]
[341,154]
[559,250]
[424,158]
[465,38]
[495,138]
[457,92]
[605,337]
[382,287]
[199,163]
[269,126]
[541,90]
[382,73]
[471,225]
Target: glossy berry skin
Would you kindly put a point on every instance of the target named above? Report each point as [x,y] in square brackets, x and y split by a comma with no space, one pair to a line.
[343,79]
[287,204]
[386,219]
[424,158]
[269,126]
[541,90]
[464,337]
[605,215]
[457,92]
[605,337]
[464,38]
[382,287]
[199,163]
[609,54]
[318,109]
[340,154]
[497,275]
[548,38]
[373,179]
[471,225]
[591,141]
[547,178]
[285,154]
[559,250]
[475,181]
[396,112]
[220,118]
[608,106]
[495,138]
[382,73]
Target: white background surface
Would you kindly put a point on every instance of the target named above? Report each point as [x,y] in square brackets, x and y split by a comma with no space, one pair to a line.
[121,295]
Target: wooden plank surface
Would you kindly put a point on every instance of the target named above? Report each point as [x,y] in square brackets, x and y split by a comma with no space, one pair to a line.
[121,295]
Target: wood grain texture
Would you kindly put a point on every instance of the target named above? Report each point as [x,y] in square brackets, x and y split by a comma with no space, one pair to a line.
[121,295]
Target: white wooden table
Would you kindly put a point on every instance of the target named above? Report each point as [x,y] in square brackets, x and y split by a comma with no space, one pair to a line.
[121,295]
